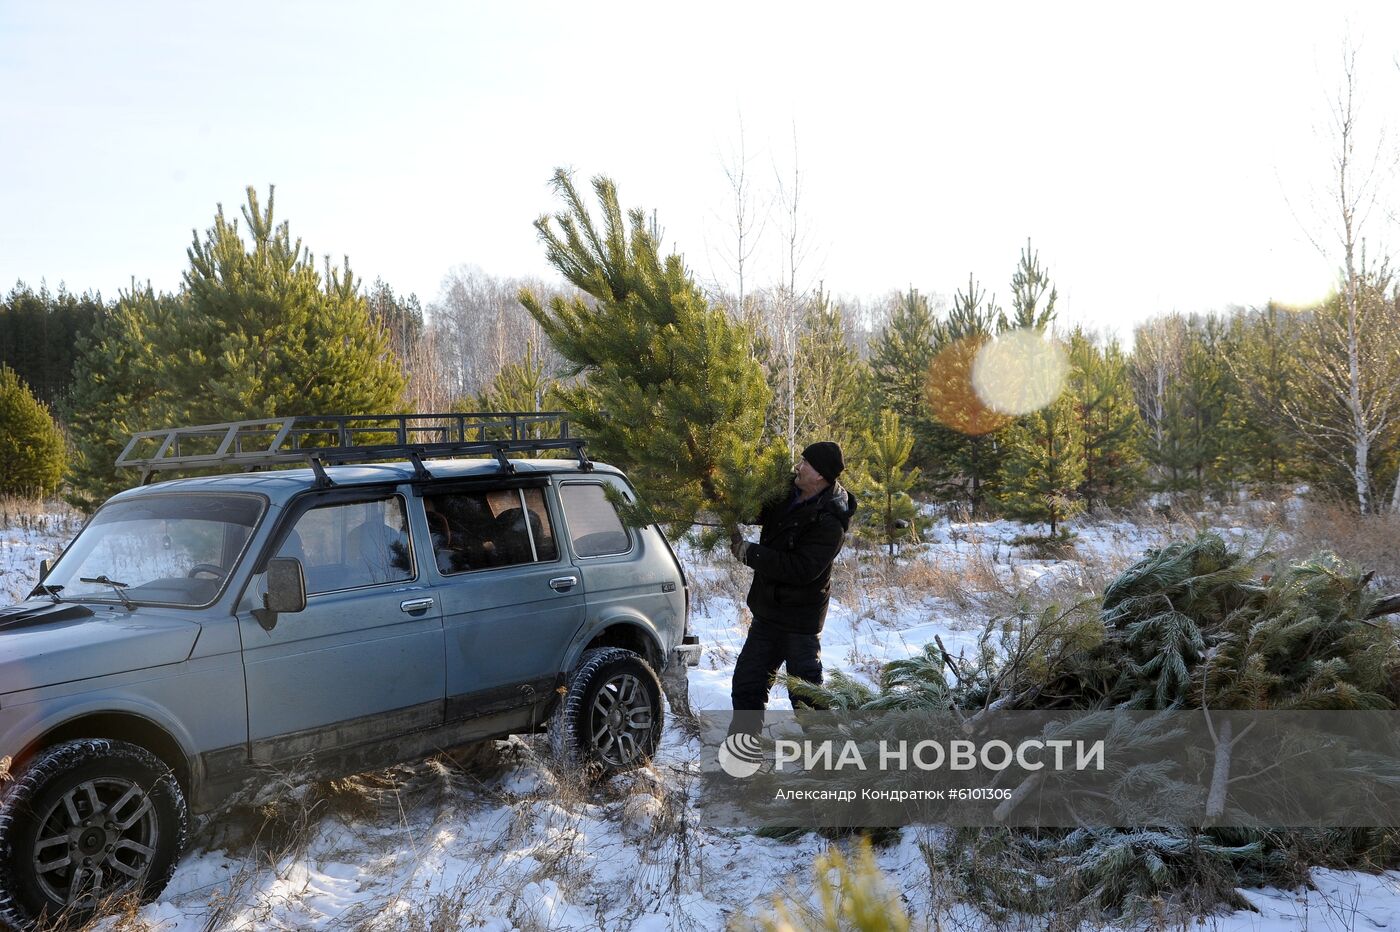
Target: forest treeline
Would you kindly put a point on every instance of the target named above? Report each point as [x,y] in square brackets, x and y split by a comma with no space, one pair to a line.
[1242,401]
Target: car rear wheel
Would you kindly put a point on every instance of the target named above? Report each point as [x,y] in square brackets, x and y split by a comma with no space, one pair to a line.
[610,717]
[85,824]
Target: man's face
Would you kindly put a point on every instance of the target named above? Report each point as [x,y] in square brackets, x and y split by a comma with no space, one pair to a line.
[808,480]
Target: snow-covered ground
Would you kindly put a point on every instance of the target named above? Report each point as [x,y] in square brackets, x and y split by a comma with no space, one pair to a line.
[506,845]
[25,539]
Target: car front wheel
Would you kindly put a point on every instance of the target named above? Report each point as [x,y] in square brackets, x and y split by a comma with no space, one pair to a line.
[84,824]
[610,717]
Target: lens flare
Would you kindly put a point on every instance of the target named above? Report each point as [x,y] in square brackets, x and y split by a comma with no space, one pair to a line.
[950,393]
[1019,372]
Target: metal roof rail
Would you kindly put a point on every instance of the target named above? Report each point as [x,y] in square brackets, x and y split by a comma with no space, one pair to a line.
[321,440]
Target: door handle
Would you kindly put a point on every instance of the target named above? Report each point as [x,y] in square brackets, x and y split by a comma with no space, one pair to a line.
[415,605]
[563,583]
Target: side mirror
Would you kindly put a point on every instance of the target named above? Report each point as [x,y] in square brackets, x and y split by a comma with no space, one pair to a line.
[43,569]
[286,591]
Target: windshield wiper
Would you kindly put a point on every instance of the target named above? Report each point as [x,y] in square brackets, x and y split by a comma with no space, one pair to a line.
[51,591]
[117,587]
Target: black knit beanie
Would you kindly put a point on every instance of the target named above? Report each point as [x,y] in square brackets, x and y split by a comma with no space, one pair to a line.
[825,457]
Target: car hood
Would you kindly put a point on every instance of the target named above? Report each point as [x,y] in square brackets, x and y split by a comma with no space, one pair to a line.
[46,643]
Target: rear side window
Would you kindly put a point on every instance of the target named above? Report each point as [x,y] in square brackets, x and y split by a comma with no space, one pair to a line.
[351,544]
[483,529]
[594,527]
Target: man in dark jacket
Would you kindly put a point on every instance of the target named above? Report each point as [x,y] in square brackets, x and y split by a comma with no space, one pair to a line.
[801,535]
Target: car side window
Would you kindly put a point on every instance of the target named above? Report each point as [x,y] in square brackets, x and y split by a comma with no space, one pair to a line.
[473,530]
[347,545]
[594,527]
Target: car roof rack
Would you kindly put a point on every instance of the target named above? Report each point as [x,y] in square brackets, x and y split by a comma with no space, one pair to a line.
[322,440]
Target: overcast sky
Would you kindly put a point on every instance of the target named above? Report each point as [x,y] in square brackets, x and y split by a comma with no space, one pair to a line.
[1160,156]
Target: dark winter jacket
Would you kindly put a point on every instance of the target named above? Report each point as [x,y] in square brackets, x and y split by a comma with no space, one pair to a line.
[792,560]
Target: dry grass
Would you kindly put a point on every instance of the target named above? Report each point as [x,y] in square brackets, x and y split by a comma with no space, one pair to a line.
[39,515]
[964,579]
[1372,541]
[726,579]
[273,840]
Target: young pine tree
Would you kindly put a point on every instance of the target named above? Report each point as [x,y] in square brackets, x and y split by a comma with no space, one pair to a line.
[255,332]
[1109,423]
[1032,294]
[1043,462]
[520,386]
[1043,465]
[32,452]
[831,377]
[268,335]
[1264,365]
[882,479]
[964,440]
[899,366]
[523,385]
[1209,390]
[670,389]
[118,390]
[1183,388]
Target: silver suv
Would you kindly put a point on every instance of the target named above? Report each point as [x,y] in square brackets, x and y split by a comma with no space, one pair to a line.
[200,634]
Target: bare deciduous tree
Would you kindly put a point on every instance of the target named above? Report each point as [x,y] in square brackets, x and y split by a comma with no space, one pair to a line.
[748,216]
[1349,365]
[480,326]
[432,384]
[790,304]
[1346,398]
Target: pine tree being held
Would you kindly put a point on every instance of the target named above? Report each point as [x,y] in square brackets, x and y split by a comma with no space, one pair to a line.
[670,389]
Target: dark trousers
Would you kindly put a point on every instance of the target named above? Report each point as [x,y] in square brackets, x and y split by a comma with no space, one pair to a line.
[766,649]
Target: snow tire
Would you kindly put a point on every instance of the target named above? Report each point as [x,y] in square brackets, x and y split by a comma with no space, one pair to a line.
[85,823]
[609,719]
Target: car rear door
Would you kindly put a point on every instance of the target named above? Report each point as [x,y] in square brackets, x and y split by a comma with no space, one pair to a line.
[510,603]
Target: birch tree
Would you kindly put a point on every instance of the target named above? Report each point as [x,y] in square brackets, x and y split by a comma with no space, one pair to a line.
[1345,404]
[1159,348]
[481,326]
[1349,394]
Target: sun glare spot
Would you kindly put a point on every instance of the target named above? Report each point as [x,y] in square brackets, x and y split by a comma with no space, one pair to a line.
[949,392]
[1019,372]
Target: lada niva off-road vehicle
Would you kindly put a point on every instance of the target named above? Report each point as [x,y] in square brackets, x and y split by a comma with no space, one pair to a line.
[397,595]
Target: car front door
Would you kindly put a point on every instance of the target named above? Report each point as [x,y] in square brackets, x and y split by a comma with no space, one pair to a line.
[364,661]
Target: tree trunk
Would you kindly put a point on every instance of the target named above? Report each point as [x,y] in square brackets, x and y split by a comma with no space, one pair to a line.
[1220,773]
[1361,436]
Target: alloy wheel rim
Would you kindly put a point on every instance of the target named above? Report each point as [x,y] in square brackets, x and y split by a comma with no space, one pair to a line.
[620,722]
[96,841]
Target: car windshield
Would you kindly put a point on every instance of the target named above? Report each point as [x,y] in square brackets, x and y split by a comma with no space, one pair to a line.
[173,549]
